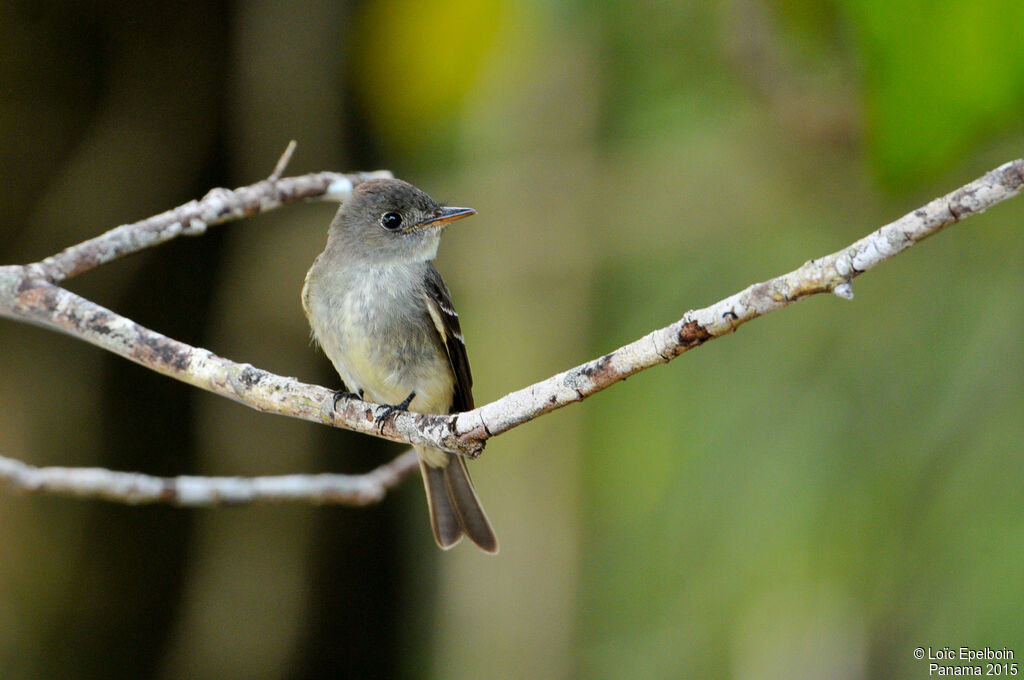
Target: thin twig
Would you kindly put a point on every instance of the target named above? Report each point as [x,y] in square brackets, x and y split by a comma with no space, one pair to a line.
[192,219]
[136,488]
[283,161]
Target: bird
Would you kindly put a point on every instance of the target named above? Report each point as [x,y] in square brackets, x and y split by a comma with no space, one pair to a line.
[382,314]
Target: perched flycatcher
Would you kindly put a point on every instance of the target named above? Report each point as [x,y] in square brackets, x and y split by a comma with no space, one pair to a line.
[384,317]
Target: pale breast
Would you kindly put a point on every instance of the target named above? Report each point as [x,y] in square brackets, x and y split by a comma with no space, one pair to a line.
[373,327]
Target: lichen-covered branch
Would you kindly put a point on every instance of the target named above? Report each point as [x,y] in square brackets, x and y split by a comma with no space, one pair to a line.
[829,274]
[192,219]
[136,488]
[45,304]
[30,293]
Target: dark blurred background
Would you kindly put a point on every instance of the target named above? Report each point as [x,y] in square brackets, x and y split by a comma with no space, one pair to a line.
[813,497]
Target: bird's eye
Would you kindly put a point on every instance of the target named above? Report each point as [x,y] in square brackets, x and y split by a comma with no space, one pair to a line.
[391,220]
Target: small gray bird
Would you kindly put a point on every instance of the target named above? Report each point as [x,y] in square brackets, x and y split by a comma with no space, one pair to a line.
[384,317]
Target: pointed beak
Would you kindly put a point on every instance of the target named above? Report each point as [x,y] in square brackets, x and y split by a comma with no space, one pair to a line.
[443,216]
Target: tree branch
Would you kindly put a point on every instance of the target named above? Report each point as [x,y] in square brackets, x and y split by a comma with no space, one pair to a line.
[135,488]
[192,219]
[45,304]
[832,273]
[30,293]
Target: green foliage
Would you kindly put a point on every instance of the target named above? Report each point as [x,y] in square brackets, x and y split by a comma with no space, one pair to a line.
[939,77]
[417,62]
[794,466]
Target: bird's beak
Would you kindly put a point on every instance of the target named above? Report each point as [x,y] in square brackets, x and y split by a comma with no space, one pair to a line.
[443,216]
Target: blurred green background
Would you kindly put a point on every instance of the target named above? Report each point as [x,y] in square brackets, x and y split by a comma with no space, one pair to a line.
[815,496]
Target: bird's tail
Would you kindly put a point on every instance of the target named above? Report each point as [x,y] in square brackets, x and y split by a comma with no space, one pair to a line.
[454,507]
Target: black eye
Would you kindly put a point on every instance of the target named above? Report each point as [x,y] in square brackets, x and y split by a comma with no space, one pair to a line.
[391,220]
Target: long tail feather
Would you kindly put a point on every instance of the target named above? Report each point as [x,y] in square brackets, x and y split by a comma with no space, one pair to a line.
[455,509]
[463,496]
[444,520]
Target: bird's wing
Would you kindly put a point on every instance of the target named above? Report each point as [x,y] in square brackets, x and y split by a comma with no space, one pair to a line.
[446,321]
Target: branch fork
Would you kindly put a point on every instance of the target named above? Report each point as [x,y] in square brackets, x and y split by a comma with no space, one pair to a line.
[32,293]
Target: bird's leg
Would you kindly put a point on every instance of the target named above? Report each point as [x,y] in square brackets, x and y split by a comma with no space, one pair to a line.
[342,394]
[393,408]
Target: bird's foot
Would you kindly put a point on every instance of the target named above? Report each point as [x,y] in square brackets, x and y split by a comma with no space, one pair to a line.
[342,394]
[393,408]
